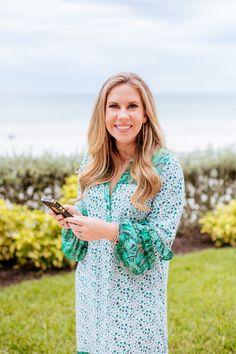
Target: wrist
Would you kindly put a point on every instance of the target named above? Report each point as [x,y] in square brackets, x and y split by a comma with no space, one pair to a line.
[112,232]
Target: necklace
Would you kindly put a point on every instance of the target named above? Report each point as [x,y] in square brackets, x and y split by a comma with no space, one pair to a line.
[129,157]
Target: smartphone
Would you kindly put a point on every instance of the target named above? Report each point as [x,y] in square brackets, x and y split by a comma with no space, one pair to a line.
[55,206]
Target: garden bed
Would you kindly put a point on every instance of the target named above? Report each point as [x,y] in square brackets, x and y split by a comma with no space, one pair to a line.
[183,244]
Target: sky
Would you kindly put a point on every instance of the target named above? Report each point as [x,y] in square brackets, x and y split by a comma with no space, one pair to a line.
[73,46]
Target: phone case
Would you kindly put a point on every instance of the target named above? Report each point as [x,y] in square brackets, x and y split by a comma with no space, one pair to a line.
[55,206]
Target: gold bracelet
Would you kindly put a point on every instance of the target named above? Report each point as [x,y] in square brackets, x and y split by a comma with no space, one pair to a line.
[115,239]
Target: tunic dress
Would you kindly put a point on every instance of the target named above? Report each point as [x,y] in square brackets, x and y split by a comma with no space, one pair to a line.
[121,291]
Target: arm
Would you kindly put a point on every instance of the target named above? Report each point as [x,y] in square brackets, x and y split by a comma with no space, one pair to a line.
[140,243]
[72,247]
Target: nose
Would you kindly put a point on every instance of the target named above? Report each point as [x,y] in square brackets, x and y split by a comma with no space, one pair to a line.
[122,113]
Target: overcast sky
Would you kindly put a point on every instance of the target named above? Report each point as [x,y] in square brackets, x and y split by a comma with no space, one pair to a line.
[73,46]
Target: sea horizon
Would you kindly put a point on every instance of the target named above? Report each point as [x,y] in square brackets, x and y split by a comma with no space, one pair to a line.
[58,124]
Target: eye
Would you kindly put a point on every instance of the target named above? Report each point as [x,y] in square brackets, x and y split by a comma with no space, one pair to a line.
[133,105]
[113,105]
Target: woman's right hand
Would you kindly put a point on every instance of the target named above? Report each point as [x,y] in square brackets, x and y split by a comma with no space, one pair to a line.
[60,218]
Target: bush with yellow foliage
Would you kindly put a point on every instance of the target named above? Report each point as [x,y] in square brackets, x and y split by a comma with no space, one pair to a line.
[220,224]
[31,238]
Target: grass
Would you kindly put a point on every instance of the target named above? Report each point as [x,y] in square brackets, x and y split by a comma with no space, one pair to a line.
[202,302]
[38,316]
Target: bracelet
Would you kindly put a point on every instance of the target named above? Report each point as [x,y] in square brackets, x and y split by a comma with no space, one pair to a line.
[115,239]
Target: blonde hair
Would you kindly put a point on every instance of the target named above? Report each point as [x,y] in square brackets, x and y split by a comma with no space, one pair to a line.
[105,160]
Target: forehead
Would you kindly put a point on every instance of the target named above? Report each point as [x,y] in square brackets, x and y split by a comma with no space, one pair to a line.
[124,92]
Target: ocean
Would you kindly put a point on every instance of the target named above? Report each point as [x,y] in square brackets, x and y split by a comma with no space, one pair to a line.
[35,124]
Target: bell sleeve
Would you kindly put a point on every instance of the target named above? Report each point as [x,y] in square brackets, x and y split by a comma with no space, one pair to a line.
[140,243]
[72,247]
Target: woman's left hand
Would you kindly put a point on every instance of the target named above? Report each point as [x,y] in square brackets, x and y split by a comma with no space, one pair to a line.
[91,229]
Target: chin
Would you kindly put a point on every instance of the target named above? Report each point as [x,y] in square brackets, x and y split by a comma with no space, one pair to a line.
[125,141]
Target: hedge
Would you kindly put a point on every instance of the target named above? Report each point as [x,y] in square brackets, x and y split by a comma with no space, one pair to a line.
[210,179]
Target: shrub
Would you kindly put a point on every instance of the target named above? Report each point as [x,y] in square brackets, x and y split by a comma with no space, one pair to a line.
[210,179]
[11,219]
[69,190]
[25,179]
[220,224]
[30,237]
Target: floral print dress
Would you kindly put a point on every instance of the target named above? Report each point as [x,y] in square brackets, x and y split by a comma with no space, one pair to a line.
[121,291]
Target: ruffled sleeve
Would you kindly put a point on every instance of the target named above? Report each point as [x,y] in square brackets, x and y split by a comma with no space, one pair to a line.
[72,247]
[140,243]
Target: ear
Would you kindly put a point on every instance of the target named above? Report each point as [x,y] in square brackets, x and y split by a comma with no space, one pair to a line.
[145,118]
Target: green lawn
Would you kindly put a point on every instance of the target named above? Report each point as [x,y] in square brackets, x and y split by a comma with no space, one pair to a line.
[202,302]
[38,316]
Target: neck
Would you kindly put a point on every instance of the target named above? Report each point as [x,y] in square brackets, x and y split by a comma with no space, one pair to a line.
[126,152]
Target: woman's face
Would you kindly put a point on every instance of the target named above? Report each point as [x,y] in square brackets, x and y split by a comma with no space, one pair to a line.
[125,114]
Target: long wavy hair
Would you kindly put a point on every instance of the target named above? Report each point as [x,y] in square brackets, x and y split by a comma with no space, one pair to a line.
[105,161]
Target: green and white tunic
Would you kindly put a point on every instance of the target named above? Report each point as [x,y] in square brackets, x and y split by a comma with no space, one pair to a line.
[121,304]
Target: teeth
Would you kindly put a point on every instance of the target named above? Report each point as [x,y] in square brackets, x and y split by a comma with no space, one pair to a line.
[123,126]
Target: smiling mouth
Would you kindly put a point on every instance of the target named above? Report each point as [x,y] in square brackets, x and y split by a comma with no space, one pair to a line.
[123,128]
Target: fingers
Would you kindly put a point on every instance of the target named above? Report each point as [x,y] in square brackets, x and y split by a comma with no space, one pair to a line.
[78,231]
[60,219]
[72,210]
[64,224]
[69,222]
[57,216]
[76,220]
[68,207]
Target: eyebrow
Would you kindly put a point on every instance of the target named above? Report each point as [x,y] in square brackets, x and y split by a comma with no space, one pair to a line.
[136,102]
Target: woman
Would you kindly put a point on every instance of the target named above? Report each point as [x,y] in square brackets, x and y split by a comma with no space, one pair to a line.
[124,224]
